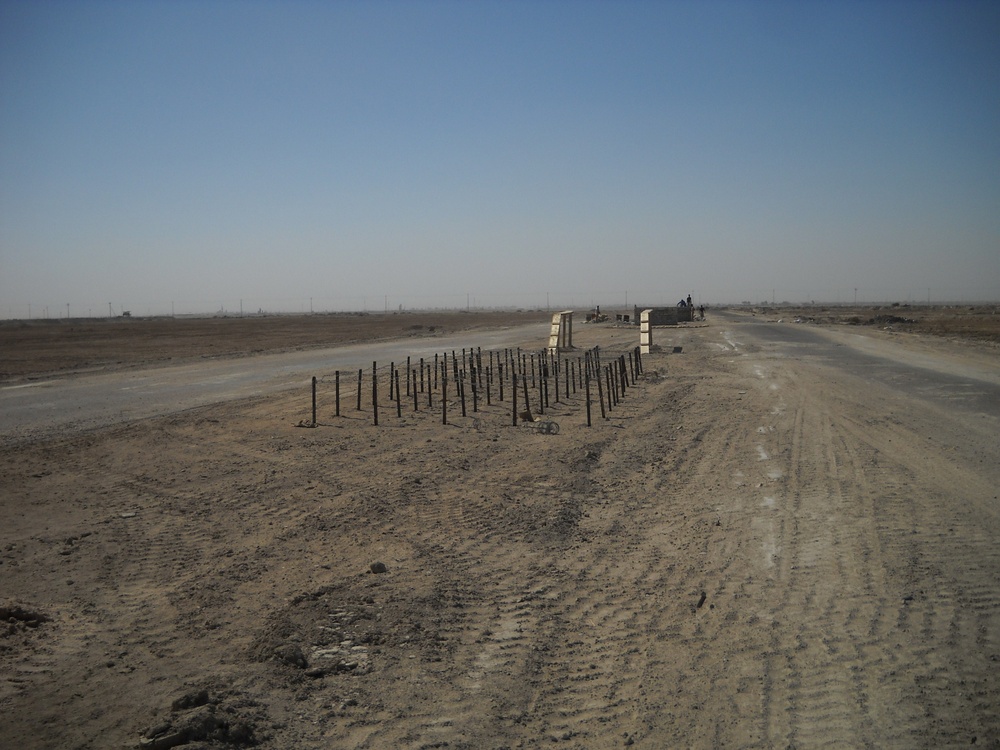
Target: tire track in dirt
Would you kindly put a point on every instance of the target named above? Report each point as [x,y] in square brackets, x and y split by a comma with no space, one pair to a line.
[749,553]
[844,661]
[712,582]
[527,629]
[817,681]
[938,522]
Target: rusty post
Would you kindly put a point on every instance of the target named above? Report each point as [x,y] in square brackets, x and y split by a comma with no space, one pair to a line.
[543,383]
[555,377]
[374,395]
[524,384]
[513,409]
[399,405]
[600,394]
[444,397]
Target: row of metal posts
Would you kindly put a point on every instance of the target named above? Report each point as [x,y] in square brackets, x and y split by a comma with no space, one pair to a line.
[511,366]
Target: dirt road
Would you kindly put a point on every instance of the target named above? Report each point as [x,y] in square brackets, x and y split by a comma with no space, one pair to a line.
[758,548]
[43,407]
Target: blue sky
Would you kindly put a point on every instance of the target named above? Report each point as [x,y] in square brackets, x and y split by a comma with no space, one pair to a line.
[287,156]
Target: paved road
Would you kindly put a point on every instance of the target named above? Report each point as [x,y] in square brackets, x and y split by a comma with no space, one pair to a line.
[969,385]
[48,407]
[45,408]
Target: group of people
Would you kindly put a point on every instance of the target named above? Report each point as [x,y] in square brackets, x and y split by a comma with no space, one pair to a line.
[688,303]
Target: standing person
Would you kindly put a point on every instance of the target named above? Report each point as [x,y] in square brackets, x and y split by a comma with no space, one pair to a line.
[701,312]
[689,301]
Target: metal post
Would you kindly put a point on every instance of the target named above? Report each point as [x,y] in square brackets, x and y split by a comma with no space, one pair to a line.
[555,377]
[513,409]
[524,384]
[444,397]
[399,406]
[600,394]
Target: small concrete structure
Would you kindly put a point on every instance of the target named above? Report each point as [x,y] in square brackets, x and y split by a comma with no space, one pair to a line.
[561,335]
[667,316]
[645,332]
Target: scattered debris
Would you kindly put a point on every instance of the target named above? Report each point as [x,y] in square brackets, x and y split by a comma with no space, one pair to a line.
[291,654]
[195,718]
[19,616]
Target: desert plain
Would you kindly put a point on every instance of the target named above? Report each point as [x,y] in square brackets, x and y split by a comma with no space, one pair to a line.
[785,534]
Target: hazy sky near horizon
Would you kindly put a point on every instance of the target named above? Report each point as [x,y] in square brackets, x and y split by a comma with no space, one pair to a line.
[198,156]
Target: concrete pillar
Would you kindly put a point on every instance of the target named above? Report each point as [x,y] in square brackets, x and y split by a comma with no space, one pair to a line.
[645,332]
[561,332]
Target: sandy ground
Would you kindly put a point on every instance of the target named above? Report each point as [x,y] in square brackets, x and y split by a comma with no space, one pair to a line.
[751,551]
